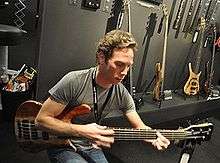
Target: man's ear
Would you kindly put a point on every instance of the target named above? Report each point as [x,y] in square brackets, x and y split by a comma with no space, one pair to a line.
[101,58]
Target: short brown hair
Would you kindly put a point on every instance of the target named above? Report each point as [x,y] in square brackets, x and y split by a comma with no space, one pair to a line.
[115,39]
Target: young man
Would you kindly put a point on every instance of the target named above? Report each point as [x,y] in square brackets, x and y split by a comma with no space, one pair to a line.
[99,89]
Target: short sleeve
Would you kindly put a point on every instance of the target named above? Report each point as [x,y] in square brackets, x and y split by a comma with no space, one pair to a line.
[63,91]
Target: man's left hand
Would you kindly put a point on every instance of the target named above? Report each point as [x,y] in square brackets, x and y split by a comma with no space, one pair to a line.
[160,143]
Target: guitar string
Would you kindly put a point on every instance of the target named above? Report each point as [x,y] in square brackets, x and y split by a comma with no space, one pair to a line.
[26,131]
[119,135]
[35,135]
[128,131]
[117,129]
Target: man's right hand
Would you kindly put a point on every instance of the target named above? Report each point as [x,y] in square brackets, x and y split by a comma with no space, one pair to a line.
[100,135]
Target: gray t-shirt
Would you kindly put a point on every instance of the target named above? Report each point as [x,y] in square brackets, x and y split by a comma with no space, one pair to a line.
[75,88]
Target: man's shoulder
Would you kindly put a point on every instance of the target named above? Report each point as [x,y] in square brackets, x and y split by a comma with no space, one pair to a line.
[82,72]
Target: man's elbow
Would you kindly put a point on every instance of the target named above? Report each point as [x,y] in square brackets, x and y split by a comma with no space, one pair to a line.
[39,121]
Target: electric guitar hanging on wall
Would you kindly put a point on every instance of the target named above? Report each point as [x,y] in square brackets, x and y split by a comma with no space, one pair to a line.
[192,85]
[31,139]
[160,70]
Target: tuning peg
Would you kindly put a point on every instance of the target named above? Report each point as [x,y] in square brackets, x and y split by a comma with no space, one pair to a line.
[189,122]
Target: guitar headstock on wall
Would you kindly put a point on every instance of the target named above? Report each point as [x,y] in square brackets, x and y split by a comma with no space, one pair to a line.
[126,4]
[165,10]
[202,23]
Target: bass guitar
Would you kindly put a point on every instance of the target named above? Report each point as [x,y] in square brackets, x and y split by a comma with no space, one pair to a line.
[160,70]
[192,85]
[31,139]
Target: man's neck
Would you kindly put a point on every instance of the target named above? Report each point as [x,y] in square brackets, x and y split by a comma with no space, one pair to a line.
[100,79]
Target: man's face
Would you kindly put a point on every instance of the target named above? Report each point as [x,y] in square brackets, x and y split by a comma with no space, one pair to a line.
[118,65]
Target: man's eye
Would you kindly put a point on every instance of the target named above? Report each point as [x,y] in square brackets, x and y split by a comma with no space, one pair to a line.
[119,64]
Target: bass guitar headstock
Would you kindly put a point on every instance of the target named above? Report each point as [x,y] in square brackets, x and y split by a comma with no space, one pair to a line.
[200,132]
[202,23]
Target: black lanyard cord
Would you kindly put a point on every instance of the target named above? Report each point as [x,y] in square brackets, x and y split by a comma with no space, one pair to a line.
[98,114]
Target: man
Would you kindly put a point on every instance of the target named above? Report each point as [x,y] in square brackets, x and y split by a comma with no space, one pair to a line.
[99,89]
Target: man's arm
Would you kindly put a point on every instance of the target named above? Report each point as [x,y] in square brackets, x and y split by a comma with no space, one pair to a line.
[46,120]
[134,119]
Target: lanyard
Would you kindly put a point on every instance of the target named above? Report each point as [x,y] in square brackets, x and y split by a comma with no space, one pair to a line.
[98,114]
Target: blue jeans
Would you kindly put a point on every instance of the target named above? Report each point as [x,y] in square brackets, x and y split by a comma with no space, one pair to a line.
[69,155]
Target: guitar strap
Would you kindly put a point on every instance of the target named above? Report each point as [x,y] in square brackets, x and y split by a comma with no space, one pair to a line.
[96,112]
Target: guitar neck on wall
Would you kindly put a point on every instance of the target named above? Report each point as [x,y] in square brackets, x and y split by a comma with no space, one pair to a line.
[32,139]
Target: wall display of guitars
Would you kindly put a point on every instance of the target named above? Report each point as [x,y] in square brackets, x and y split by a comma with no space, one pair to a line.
[206,23]
[189,17]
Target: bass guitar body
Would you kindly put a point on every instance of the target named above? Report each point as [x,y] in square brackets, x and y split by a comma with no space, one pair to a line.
[30,138]
[192,85]
[158,80]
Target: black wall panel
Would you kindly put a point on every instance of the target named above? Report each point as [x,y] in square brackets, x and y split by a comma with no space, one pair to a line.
[68,42]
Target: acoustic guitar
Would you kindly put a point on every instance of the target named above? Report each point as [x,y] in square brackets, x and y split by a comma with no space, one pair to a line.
[31,139]
[192,85]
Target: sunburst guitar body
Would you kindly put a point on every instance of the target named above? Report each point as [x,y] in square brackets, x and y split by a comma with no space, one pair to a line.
[192,85]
